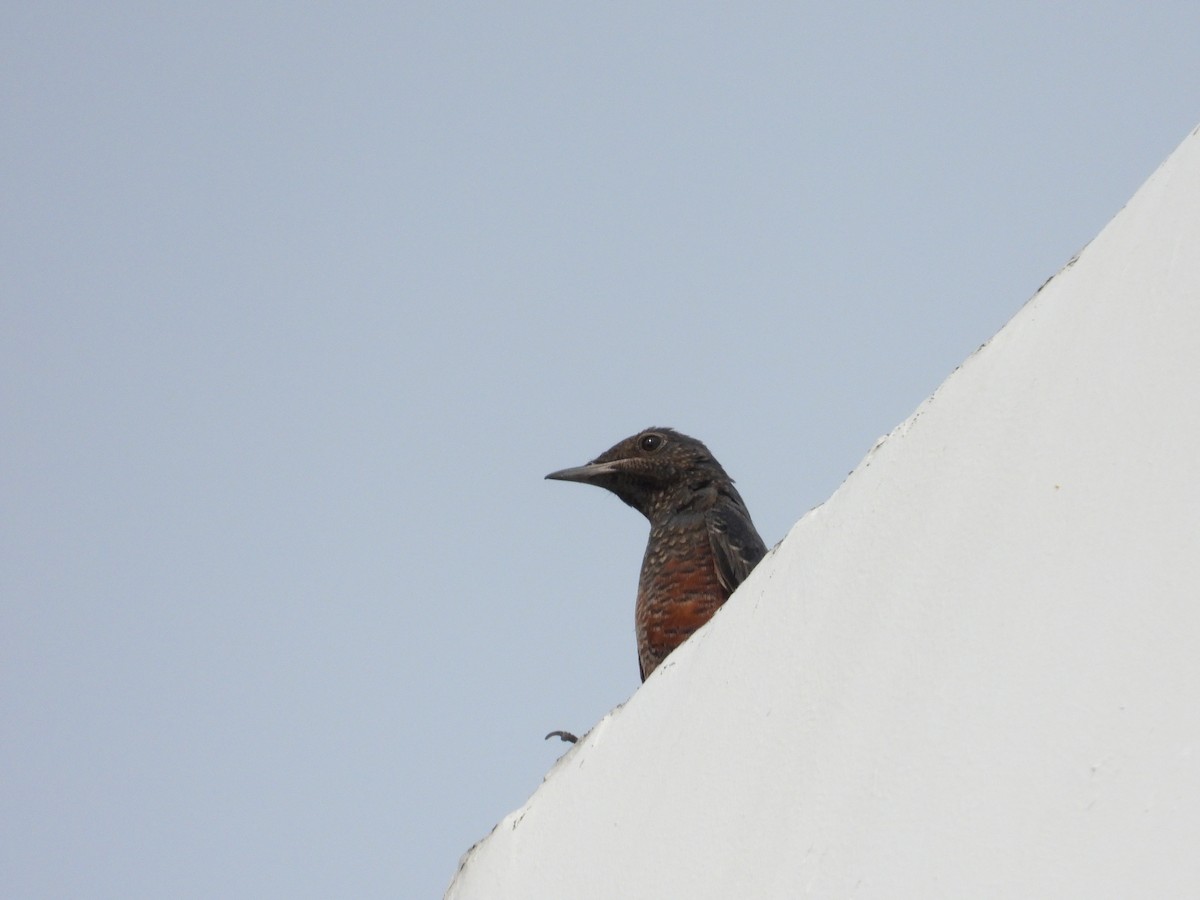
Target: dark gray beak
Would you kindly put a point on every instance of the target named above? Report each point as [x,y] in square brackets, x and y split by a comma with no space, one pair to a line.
[588,474]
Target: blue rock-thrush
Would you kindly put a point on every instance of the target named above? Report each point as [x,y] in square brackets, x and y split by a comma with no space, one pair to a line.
[702,542]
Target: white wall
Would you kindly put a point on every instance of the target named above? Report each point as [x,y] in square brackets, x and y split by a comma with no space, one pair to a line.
[973,672]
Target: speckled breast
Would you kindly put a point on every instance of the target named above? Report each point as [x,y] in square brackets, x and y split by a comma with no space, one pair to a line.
[678,591]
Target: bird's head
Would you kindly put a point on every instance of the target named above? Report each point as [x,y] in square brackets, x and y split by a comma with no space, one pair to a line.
[657,471]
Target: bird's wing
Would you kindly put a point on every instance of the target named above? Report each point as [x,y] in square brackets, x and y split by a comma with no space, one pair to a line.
[735,543]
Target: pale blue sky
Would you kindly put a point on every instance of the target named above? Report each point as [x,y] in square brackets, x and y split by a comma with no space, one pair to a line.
[300,304]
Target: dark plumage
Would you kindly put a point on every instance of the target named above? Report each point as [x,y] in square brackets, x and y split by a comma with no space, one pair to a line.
[702,543]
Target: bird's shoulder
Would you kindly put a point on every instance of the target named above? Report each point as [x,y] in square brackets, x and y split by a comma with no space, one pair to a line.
[736,544]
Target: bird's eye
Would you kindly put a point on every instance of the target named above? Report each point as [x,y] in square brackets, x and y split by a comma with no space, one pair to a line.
[650,442]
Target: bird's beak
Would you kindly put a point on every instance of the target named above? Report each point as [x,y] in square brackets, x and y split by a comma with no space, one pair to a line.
[588,474]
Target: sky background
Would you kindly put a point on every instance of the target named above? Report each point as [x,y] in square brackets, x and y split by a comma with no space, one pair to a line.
[299,304]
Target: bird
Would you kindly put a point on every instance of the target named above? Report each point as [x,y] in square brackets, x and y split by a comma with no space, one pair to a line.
[702,542]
